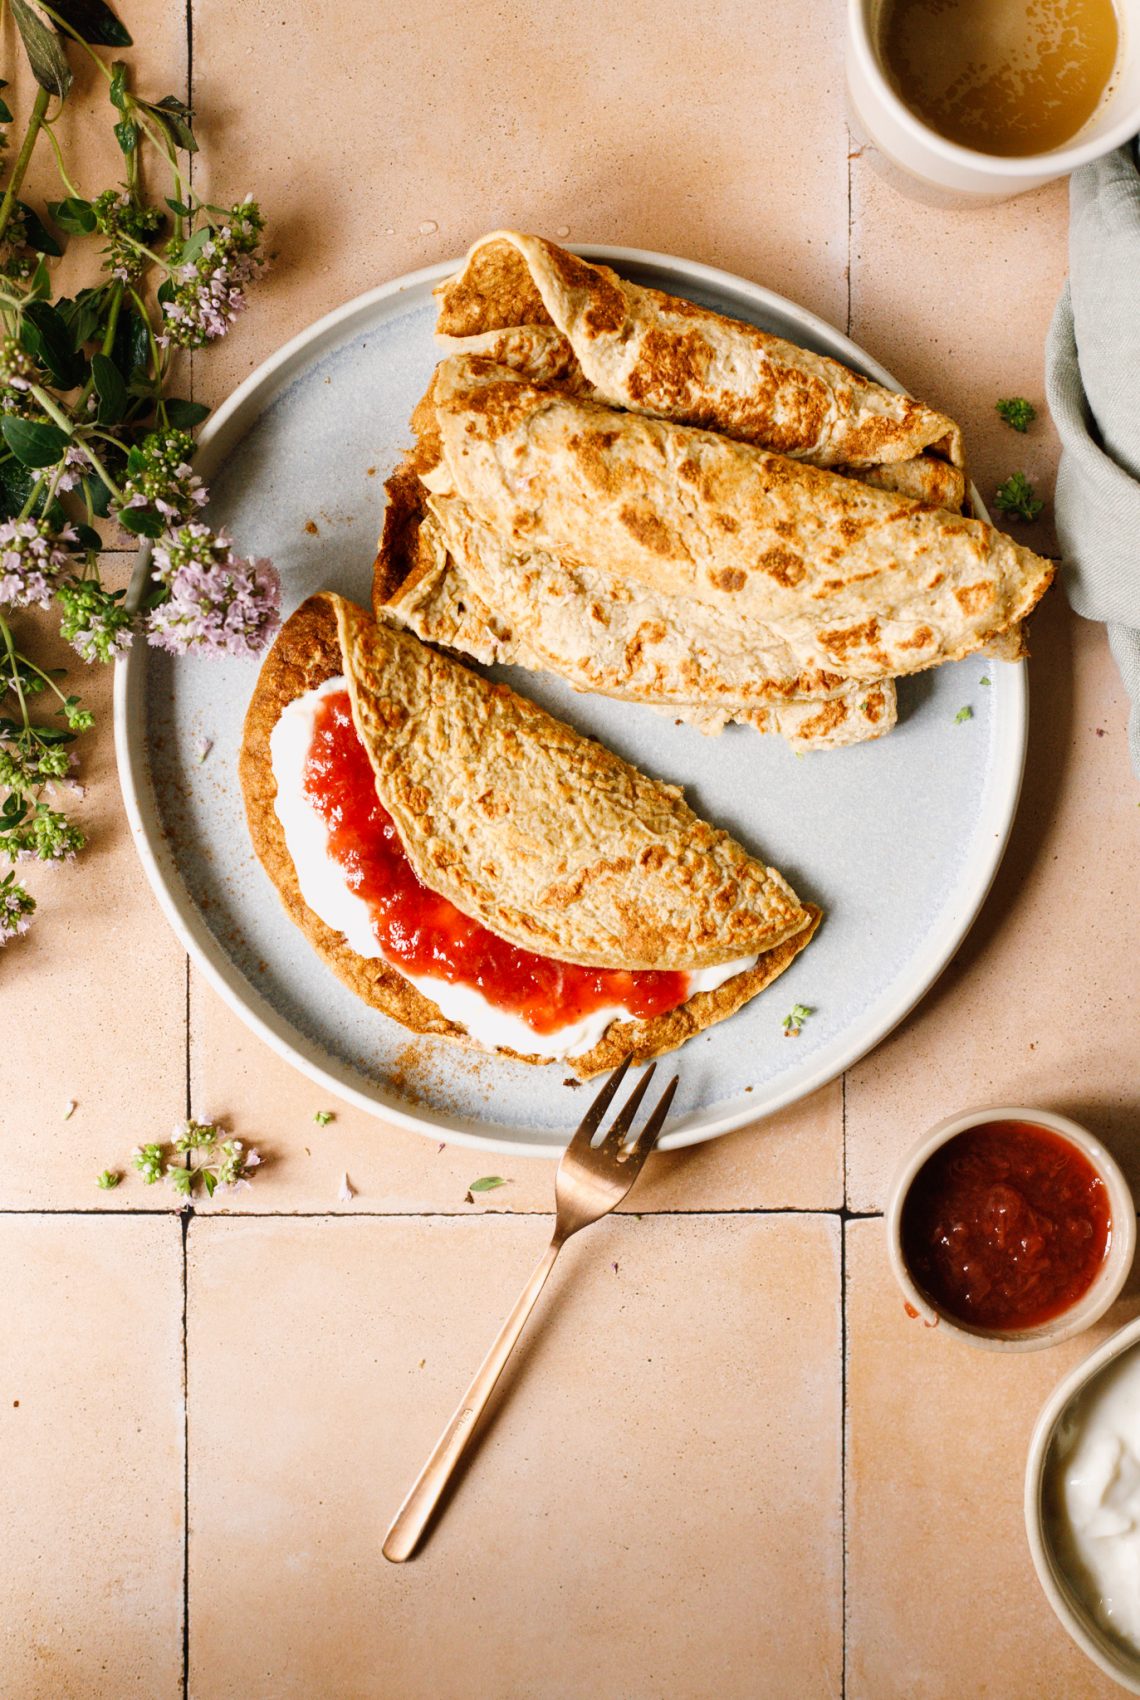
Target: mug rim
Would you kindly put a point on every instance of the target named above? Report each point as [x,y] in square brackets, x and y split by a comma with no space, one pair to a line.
[1058,162]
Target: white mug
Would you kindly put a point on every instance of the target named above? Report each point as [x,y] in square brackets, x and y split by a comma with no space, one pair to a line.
[934,169]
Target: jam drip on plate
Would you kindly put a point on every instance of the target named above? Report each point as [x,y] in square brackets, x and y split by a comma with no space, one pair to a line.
[421,932]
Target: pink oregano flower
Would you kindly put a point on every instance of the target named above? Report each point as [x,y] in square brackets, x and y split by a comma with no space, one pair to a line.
[219,603]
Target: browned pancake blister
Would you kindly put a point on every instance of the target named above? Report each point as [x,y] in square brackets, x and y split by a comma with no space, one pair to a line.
[658,354]
[823,572]
[444,575]
[397,685]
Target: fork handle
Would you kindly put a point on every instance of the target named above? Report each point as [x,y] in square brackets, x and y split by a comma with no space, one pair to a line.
[412,1518]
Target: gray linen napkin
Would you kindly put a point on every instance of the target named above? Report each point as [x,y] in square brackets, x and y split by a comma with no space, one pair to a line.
[1092,380]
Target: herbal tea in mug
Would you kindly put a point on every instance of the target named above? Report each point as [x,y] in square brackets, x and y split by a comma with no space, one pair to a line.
[1003,77]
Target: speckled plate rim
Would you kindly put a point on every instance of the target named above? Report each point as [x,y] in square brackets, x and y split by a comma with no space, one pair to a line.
[229,423]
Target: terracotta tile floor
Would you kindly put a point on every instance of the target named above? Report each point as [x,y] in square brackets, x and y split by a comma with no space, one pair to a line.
[724,1462]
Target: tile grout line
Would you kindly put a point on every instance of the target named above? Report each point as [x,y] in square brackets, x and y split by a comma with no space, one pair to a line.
[843,1219]
[190,161]
[843,1452]
[184,1217]
[840,1212]
[190,65]
[850,147]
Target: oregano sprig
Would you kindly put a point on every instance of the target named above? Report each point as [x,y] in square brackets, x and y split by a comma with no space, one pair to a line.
[91,426]
[199,1157]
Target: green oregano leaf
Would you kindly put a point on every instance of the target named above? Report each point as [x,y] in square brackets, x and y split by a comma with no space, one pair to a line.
[99,494]
[143,522]
[94,22]
[174,116]
[40,286]
[85,313]
[75,215]
[127,135]
[38,237]
[487,1183]
[131,348]
[44,50]
[184,415]
[16,482]
[57,349]
[110,388]
[33,443]
[193,247]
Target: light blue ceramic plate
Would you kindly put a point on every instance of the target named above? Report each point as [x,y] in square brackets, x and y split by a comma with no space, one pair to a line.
[898,840]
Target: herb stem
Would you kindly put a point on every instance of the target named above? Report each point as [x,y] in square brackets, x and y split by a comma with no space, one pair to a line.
[53,412]
[35,121]
[33,497]
[113,318]
[46,677]
[100,468]
[14,671]
[141,248]
[159,139]
[59,165]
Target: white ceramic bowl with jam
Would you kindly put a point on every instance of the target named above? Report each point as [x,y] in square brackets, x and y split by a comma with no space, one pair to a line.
[1010,1227]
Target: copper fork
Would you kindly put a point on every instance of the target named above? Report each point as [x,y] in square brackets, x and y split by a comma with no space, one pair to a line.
[591,1180]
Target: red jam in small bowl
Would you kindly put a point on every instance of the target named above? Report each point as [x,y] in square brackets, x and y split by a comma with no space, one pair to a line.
[1005,1226]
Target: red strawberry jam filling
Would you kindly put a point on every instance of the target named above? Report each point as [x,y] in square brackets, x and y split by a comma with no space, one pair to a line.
[421,932]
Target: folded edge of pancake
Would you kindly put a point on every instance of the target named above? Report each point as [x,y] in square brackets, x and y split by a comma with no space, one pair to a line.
[442,575]
[663,355]
[549,839]
[645,1039]
[862,581]
[544,356]
[308,651]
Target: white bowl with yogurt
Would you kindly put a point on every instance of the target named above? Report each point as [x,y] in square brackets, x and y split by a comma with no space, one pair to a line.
[1082,1505]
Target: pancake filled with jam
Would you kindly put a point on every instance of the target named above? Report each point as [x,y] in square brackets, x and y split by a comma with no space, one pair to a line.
[478,870]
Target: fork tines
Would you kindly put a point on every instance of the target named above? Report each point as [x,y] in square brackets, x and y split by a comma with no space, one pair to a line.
[616,1134]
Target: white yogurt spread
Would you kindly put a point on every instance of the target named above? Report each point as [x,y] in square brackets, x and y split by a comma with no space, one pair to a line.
[1096,1495]
[327,892]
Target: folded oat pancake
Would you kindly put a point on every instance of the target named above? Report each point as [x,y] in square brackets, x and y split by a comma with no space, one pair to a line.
[445,575]
[549,840]
[849,578]
[544,356]
[658,354]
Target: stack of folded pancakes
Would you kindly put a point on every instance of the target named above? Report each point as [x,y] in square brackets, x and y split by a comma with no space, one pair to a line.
[671,507]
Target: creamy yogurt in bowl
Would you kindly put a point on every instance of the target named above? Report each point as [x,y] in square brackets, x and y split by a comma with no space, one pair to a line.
[1082,1505]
